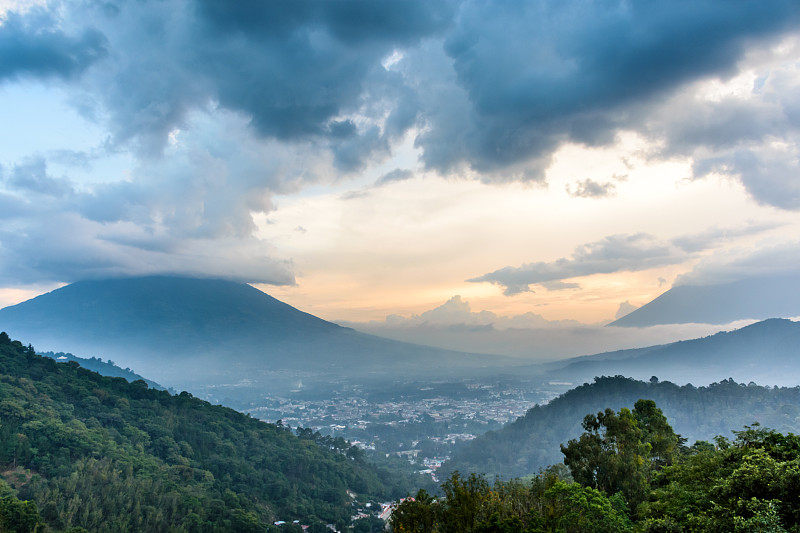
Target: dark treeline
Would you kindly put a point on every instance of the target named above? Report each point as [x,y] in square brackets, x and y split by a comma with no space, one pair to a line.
[106,368]
[698,413]
[79,450]
[629,472]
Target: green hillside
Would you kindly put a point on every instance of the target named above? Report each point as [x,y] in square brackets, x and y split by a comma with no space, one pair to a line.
[629,472]
[107,368]
[107,455]
[697,413]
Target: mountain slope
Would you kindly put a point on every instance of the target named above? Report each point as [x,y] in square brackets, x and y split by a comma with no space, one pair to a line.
[752,298]
[532,441]
[767,352]
[96,364]
[187,332]
[108,455]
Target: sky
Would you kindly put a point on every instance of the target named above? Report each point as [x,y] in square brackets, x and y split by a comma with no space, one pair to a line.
[545,163]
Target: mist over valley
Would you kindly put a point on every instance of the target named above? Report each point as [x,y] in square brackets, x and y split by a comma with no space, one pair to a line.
[449,266]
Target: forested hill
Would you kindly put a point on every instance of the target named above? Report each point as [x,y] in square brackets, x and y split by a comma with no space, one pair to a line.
[697,413]
[105,368]
[108,455]
[629,473]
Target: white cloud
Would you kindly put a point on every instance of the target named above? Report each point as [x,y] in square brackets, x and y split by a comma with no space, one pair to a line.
[458,312]
[453,325]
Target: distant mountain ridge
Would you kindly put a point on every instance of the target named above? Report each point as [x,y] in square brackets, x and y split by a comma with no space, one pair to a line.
[752,298]
[107,368]
[186,332]
[767,352]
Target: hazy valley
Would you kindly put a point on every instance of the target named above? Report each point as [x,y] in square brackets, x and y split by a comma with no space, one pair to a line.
[231,344]
[422,413]
[454,266]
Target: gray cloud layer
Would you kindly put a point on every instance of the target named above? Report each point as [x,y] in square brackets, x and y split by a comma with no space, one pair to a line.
[591,189]
[630,253]
[738,263]
[33,46]
[540,73]
[266,97]
[615,253]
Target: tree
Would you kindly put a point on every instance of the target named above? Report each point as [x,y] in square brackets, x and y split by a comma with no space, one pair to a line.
[415,515]
[575,509]
[619,452]
[17,516]
[750,484]
[465,502]
[665,444]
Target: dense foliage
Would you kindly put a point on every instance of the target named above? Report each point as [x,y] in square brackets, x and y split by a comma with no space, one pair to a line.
[620,452]
[698,413]
[749,484]
[631,474]
[472,505]
[100,453]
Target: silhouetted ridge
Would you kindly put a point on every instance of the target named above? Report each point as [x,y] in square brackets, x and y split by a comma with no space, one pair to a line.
[766,352]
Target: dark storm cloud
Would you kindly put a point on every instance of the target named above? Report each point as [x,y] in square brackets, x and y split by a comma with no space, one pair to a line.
[301,64]
[352,22]
[515,79]
[295,69]
[223,104]
[540,73]
[33,46]
[499,86]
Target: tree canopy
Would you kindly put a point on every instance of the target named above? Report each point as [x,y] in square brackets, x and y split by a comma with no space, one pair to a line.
[100,453]
[620,452]
[697,413]
[629,472]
